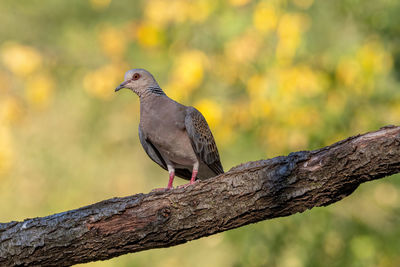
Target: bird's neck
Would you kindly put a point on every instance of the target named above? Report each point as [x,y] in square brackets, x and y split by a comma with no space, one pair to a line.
[155,90]
[151,98]
[151,91]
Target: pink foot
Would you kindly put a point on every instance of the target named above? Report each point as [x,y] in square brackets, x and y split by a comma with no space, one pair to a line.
[192,180]
[169,186]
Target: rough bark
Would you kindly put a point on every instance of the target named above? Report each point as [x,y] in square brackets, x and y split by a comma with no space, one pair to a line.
[248,193]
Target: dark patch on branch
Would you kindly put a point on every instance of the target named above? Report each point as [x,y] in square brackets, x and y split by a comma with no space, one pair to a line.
[248,193]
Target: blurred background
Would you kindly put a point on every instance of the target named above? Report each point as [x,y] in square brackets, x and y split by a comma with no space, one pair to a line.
[270,77]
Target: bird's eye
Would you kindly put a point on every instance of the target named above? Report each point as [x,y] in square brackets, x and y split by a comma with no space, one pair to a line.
[136,76]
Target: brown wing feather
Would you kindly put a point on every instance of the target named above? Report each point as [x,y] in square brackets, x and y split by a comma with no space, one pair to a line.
[202,139]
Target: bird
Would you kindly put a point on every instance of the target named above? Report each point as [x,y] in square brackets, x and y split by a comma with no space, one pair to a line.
[175,136]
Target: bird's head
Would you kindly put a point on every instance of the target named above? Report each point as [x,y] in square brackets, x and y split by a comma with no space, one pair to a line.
[139,81]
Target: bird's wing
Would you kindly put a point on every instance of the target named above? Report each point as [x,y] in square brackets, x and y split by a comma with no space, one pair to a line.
[151,150]
[202,139]
[155,155]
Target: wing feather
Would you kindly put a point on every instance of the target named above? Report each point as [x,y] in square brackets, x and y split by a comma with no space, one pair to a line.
[151,150]
[202,140]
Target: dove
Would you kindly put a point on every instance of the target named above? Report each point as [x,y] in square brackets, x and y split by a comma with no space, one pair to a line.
[175,136]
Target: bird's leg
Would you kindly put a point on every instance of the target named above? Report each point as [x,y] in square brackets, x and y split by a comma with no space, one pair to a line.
[171,172]
[171,178]
[194,175]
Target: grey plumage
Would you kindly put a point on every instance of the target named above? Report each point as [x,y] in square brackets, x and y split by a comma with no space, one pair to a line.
[175,136]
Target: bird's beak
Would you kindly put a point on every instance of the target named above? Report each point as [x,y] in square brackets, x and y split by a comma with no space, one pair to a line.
[122,85]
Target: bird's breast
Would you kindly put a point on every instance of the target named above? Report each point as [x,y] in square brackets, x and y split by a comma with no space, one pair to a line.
[172,142]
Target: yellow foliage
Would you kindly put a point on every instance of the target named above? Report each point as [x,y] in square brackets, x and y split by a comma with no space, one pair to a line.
[335,138]
[304,4]
[359,71]
[224,134]
[223,130]
[100,4]
[113,42]
[348,71]
[244,48]
[256,86]
[172,11]
[361,120]
[374,59]
[302,117]
[393,113]
[265,17]
[101,83]
[299,79]
[5,82]
[149,35]
[275,137]
[6,151]
[239,115]
[187,73]
[225,70]
[176,91]
[297,140]
[210,110]
[290,28]
[39,90]
[11,110]
[22,60]
[260,108]
[239,2]
[335,103]
[177,11]
[200,10]
[308,82]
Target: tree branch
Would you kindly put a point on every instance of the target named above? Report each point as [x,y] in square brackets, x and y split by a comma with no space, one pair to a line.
[248,193]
